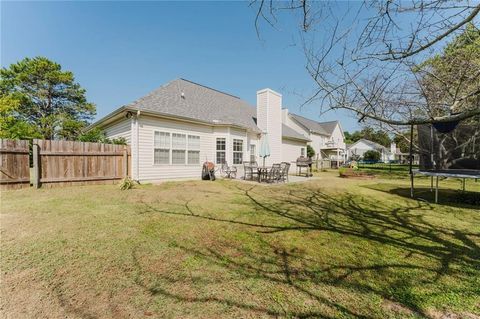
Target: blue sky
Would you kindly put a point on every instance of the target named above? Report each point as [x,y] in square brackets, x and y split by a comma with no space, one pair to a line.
[120,51]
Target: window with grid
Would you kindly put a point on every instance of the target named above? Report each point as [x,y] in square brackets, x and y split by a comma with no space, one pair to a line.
[253,156]
[179,147]
[221,149]
[161,148]
[193,149]
[237,151]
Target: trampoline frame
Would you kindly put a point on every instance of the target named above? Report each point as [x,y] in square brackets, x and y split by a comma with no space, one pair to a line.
[437,174]
[433,174]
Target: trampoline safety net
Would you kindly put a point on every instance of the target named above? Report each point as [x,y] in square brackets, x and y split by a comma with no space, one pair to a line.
[452,147]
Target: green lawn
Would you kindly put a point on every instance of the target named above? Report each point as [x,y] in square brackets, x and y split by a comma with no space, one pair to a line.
[328,248]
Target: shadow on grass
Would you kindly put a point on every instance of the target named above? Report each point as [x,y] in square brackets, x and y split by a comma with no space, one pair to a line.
[428,252]
[450,197]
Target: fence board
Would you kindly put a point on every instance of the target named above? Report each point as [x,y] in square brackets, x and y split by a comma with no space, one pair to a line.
[77,163]
[14,164]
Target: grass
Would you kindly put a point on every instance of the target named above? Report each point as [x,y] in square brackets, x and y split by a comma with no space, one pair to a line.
[390,170]
[328,248]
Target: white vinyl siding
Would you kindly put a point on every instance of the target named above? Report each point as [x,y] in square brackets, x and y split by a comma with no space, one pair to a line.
[291,150]
[269,119]
[205,147]
[148,171]
[119,129]
[161,148]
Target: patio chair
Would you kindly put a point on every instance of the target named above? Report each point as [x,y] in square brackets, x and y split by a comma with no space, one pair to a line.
[247,171]
[273,174]
[229,171]
[250,170]
[254,168]
[284,168]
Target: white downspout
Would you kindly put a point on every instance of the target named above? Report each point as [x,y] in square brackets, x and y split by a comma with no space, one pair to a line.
[137,147]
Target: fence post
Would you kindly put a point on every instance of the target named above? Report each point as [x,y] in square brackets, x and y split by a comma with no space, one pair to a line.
[36,165]
[125,161]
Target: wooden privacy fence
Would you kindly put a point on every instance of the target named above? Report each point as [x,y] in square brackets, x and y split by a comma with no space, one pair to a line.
[58,163]
[14,164]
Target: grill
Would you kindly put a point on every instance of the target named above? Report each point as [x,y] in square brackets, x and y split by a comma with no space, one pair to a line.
[208,171]
[304,163]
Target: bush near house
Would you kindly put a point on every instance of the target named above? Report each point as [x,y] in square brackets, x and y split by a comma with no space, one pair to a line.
[310,151]
[371,155]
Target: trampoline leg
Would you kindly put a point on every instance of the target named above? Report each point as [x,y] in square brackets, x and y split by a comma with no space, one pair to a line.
[411,184]
[463,185]
[436,191]
[431,183]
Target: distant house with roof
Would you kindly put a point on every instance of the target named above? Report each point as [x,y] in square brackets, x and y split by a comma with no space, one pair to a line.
[177,127]
[327,138]
[361,146]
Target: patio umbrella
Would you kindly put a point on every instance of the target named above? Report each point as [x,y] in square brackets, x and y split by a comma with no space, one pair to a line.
[264,147]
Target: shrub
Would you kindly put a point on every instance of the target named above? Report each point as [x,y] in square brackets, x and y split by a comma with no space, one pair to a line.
[354,157]
[371,155]
[310,151]
[127,183]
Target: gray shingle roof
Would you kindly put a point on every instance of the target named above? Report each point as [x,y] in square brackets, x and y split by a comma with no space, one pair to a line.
[329,127]
[324,128]
[372,144]
[291,133]
[198,103]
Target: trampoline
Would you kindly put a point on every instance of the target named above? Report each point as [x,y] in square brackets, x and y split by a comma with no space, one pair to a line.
[447,150]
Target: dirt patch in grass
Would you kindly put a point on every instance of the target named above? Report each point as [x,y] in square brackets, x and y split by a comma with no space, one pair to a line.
[24,295]
[436,314]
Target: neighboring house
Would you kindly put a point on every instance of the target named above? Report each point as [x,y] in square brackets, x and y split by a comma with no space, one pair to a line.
[363,145]
[180,125]
[400,157]
[327,138]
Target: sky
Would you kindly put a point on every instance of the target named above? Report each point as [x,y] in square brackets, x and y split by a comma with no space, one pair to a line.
[120,51]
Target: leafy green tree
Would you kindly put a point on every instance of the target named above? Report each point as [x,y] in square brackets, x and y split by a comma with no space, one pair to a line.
[310,151]
[349,139]
[371,155]
[378,136]
[98,136]
[45,98]
[10,125]
[451,79]
[93,135]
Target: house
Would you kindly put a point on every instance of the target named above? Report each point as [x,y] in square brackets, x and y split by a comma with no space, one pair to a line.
[361,146]
[177,127]
[326,138]
[402,157]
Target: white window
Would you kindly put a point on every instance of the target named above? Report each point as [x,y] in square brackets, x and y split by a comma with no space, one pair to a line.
[221,148]
[302,151]
[253,155]
[237,151]
[161,148]
[193,149]
[179,147]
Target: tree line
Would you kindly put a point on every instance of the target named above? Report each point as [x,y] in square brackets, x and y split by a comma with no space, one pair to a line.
[38,99]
